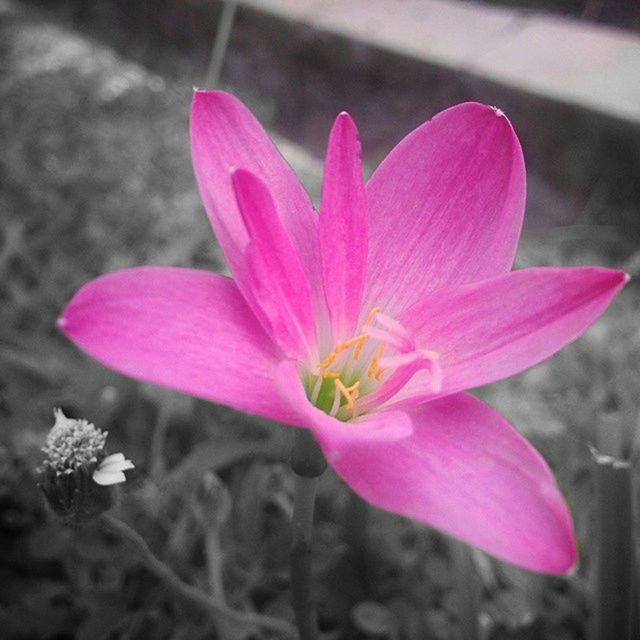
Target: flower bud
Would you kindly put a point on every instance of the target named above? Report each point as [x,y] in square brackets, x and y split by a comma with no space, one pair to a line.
[77,476]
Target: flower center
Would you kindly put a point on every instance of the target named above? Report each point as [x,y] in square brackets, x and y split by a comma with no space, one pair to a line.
[367,369]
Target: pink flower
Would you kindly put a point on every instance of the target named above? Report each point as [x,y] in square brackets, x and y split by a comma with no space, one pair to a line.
[367,322]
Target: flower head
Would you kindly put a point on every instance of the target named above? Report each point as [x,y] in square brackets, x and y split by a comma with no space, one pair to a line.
[72,444]
[76,473]
[366,322]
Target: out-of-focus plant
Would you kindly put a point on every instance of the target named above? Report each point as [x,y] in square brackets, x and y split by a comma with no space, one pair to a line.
[77,477]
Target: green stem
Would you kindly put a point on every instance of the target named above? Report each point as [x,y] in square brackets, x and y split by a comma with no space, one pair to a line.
[212,607]
[308,464]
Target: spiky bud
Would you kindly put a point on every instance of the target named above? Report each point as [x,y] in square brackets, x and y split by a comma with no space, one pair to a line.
[77,475]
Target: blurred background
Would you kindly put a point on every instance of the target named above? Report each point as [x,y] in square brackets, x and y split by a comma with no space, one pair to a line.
[95,174]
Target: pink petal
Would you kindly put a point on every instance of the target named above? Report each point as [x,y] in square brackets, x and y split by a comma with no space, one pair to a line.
[494,329]
[467,471]
[445,207]
[332,433]
[179,328]
[281,294]
[226,136]
[343,228]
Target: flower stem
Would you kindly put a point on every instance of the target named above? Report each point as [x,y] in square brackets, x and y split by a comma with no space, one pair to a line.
[468,592]
[356,527]
[308,463]
[223,33]
[212,607]
[615,561]
[214,556]
[158,441]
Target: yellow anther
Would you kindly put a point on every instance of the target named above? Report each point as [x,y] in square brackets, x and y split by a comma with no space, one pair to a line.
[379,373]
[372,314]
[328,361]
[330,374]
[373,367]
[347,392]
[352,341]
[358,340]
[358,349]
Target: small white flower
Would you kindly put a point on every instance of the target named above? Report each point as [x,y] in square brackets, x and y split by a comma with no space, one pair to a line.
[110,470]
[77,475]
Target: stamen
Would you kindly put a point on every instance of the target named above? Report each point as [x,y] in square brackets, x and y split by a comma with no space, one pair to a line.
[403,361]
[340,348]
[362,338]
[316,389]
[373,367]
[343,346]
[372,315]
[328,361]
[358,349]
[336,401]
[346,392]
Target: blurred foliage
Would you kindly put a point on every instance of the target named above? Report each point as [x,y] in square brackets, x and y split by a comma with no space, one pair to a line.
[96,175]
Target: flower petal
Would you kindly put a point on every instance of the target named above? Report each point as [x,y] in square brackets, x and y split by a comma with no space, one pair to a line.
[107,478]
[343,228]
[281,294]
[445,207]
[180,328]
[467,471]
[226,136]
[333,433]
[496,328]
[118,465]
[114,457]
